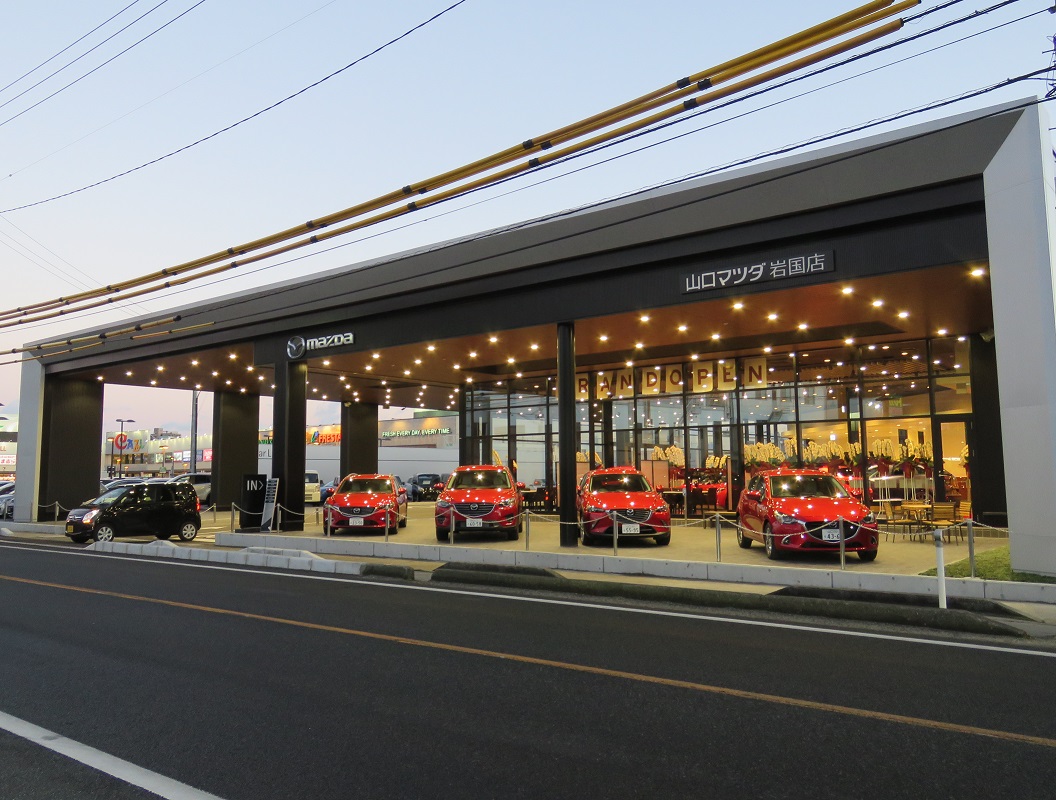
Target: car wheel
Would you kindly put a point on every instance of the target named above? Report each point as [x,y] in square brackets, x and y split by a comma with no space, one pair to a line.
[403,521]
[742,540]
[770,545]
[663,539]
[867,555]
[441,535]
[104,533]
[390,530]
[162,535]
[187,531]
[79,538]
[513,535]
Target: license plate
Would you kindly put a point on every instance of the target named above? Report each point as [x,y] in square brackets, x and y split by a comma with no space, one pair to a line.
[355,522]
[473,522]
[631,528]
[830,534]
[69,529]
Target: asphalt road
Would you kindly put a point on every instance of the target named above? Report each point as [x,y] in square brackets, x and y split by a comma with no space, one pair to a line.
[246,684]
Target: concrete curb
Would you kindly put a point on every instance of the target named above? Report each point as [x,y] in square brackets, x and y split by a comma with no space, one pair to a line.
[690,570]
[957,620]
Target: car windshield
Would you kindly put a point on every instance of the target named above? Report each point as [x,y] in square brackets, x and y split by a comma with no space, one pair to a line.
[428,480]
[484,479]
[619,483]
[806,486]
[365,485]
[109,497]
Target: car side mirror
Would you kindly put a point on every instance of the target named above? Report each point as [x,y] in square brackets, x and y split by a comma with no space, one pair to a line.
[753,495]
[857,494]
[402,490]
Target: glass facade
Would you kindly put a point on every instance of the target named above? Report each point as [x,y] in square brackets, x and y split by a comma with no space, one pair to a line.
[881,416]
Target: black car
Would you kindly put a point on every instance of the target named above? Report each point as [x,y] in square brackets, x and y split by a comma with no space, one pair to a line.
[424,486]
[154,509]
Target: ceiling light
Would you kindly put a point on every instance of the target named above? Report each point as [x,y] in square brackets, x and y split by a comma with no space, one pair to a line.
[630,363]
[603,337]
[326,363]
[878,303]
[847,290]
[533,347]
[369,367]
[942,331]
[431,348]
[978,272]
[510,360]
[771,317]
[406,372]
[232,356]
[644,318]
[638,346]
[903,314]
[848,340]
[493,339]
[375,355]
[215,374]
[456,366]
[738,305]
[683,328]
[802,326]
[767,349]
[472,353]
[194,362]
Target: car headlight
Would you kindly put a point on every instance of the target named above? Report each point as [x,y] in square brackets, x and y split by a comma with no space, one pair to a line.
[442,504]
[869,518]
[91,515]
[786,519]
[594,510]
[507,502]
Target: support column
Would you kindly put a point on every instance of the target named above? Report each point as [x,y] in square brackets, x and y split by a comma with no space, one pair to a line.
[359,438]
[1021,235]
[288,448]
[30,434]
[70,446]
[566,432]
[236,418]
[465,427]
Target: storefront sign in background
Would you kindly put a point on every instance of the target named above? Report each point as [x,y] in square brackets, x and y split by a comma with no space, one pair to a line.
[699,377]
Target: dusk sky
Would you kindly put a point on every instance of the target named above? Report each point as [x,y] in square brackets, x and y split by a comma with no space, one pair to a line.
[478,78]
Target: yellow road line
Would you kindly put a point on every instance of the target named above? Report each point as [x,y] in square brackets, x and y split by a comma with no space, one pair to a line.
[544,662]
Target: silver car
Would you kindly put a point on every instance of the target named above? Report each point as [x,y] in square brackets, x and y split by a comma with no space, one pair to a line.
[202,483]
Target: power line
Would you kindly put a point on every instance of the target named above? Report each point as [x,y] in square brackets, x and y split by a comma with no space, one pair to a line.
[67,47]
[71,63]
[242,121]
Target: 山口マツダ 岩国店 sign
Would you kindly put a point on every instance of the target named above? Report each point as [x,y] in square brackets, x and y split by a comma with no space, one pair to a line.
[771,268]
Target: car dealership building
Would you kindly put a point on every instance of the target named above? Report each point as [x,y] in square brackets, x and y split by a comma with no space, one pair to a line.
[883,308]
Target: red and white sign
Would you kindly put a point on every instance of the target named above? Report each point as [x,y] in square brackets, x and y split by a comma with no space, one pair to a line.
[121,441]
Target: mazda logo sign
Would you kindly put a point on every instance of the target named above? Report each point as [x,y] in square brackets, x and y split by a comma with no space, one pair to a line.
[295,347]
[473,507]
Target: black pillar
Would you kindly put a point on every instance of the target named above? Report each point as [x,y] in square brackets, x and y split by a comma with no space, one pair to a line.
[359,438]
[985,446]
[566,432]
[288,454]
[236,420]
[465,427]
[70,445]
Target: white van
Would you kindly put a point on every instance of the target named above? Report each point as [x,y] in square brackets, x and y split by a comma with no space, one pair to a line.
[312,485]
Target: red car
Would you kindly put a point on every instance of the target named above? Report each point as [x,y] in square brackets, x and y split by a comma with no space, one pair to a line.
[366,502]
[479,498]
[791,510]
[623,493]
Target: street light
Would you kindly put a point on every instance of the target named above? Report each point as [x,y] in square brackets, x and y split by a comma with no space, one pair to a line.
[110,467]
[121,463]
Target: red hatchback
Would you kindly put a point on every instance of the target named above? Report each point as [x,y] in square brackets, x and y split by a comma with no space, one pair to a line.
[479,498]
[791,510]
[366,503]
[622,493]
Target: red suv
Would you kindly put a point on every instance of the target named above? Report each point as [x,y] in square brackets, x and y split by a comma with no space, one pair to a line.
[479,498]
[800,510]
[623,493]
[366,503]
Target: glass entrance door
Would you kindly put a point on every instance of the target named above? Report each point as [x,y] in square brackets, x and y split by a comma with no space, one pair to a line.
[955,452]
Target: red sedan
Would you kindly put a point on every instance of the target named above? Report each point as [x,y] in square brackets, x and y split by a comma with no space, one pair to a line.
[791,510]
[366,503]
[623,494]
[479,498]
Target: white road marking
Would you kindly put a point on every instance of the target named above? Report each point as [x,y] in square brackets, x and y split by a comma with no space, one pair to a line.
[104,762]
[573,604]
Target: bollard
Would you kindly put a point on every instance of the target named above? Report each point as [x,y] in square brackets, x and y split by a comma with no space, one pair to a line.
[388,518]
[718,539]
[527,529]
[940,567]
[232,518]
[451,528]
[843,547]
[56,510]
[971,545]
[615,535]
